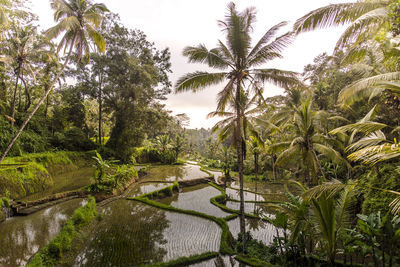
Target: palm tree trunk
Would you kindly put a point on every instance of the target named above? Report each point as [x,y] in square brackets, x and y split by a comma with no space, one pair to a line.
[14,97]
[100,109]
[27,94]
[46,107]
[38,104]
[240,165]
[273,168]
[256,170]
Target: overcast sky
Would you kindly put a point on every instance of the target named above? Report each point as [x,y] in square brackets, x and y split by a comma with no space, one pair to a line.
[179,23]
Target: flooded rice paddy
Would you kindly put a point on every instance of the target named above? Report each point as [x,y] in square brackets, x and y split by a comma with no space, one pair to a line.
[259,230]
[130,233]
[21,237]
[196,198]
[174,173]
[140,189]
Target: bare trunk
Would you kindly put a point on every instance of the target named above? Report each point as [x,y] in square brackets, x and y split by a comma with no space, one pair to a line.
[273,168]
[14,98]
[100,109]
[27,94]
[38,104]
[240,165]
[47,106]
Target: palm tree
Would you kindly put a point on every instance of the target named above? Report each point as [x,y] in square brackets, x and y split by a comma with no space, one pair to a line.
[78,20]
[22,52]
[306,142]
[238,62]
[331,203]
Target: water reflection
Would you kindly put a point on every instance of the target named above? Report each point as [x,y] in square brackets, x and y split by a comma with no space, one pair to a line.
[21,237]
[140,189]
[234,194]
[63,182]
[131,233]
[258,229]
[174,173]
[196,198]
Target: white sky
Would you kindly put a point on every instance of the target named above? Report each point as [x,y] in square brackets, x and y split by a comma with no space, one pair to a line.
[179,23]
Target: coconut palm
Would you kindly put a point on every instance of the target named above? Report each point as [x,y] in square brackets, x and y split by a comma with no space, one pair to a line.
[331,203]
[24,48]
[238,63]
[78,20]
[306,142]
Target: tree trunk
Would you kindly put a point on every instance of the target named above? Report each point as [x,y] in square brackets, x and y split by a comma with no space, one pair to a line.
[273,168]
[240,164]
[100,109]
[38,104]
[27,94]
[14,98]
[46,107]
[256,170]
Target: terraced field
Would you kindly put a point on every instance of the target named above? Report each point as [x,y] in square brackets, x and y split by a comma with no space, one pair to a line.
[196,198]
[21,237]
[140,189]
[174,173]
[131,233]
[258,229]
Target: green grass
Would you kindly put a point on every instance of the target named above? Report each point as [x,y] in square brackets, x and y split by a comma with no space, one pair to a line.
[53,253]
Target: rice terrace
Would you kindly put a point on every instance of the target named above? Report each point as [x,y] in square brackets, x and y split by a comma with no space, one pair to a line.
[199,133]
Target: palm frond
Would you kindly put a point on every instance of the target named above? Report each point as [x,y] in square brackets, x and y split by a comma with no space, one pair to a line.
[335,15]
[198,80]
[328,189]
[354,33]
[373,154]
[365,127]
[365,87]
[225,96]
[372,139]
[277,77]
[267,37]
[201,54]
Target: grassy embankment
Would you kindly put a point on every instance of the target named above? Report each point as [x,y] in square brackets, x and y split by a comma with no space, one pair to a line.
[52,254]
[32,173]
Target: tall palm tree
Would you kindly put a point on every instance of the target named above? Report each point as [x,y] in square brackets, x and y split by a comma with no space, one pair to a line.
[306,142]
[237,61]
[23,49]
[78,20]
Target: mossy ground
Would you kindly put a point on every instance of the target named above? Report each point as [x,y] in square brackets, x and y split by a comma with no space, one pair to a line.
[28,174]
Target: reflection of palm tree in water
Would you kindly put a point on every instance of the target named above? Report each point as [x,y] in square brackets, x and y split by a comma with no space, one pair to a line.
[129,234]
